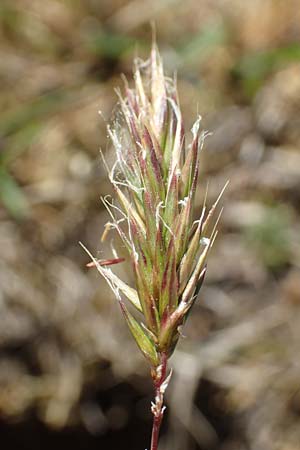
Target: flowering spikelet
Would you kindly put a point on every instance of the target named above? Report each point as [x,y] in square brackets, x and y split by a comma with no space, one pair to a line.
[155,179]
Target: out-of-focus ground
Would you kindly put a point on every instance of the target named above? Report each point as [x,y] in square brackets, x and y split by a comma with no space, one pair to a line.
[70,374]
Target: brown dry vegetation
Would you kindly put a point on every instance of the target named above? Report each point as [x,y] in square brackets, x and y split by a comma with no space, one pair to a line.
[69,371]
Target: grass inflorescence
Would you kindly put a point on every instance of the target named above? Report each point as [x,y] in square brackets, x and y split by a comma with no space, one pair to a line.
[155,178]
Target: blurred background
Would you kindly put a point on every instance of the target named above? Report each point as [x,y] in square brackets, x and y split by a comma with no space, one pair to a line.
[70,374]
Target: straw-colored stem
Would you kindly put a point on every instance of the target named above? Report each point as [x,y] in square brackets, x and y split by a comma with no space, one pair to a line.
[159,382]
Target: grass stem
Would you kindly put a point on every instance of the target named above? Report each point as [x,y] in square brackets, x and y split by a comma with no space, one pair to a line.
[160,384]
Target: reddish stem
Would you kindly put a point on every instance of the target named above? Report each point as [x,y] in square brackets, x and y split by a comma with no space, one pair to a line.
[159,376]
